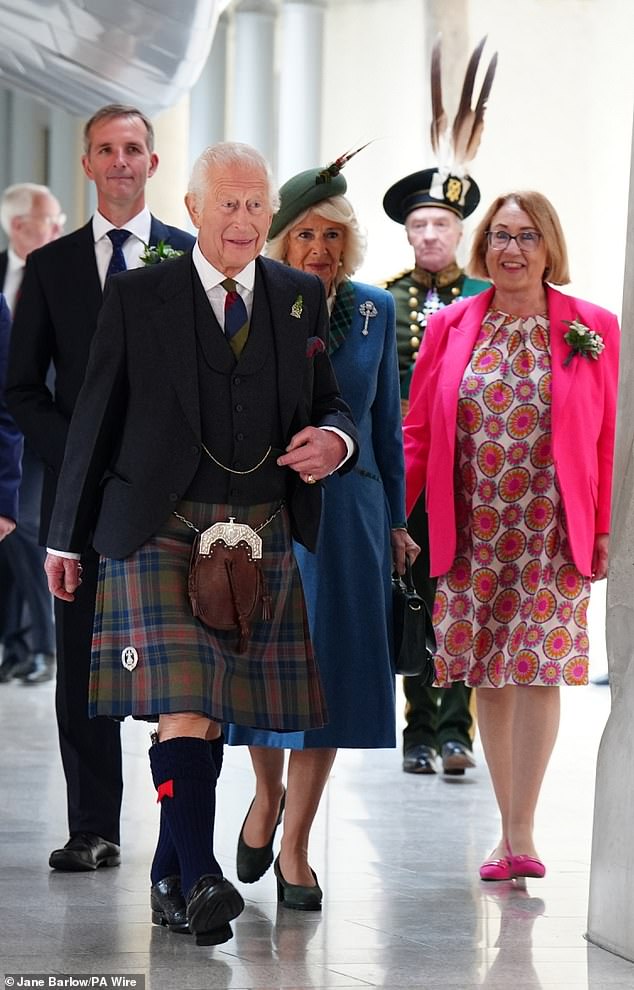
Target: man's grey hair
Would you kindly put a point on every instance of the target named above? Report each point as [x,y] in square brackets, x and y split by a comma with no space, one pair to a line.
[229,154]
[17,201]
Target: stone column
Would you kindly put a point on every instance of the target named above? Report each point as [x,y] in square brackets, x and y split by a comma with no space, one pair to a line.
[165,191]
[301,61]
[252,116]
[611,908]
[207,100]
[65,174]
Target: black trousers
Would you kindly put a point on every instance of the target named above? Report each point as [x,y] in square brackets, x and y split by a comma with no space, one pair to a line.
[433,716]
[90,748]
[25,557]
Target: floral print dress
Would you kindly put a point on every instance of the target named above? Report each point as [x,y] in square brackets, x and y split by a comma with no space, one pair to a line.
[512,609]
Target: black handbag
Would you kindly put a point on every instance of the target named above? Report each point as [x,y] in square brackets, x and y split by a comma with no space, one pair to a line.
[414,640]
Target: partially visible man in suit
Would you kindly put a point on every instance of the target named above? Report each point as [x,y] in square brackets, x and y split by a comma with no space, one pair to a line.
[55,320]
[10,439]
[209,405]
[30,216]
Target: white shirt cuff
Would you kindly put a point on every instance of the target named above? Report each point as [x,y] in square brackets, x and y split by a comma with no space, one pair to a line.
[346,439]
[63,553]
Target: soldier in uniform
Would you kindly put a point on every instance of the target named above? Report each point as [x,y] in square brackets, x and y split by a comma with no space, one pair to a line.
[431,204]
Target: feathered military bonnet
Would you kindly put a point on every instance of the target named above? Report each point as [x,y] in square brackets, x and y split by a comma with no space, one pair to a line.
[447,184]
[308,188]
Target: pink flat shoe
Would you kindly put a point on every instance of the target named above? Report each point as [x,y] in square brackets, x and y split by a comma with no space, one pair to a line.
[525,866]
[496,869]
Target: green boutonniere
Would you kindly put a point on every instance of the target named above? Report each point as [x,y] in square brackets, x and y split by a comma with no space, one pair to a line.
[159,252]
[297,307]
[582,340]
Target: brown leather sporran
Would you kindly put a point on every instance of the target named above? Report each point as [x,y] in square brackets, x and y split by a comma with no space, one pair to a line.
[226,588]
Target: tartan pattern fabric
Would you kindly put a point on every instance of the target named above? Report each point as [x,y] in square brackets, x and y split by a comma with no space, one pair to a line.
[117,261]
[182,665]
[341,319]
[236,317]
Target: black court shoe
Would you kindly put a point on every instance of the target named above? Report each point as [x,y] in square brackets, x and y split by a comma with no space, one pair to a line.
[294,895]
[253,862]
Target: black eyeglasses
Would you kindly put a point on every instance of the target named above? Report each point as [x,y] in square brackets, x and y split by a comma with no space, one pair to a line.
[526,240]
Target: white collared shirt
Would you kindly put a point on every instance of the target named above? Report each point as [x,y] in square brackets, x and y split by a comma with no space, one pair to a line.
[139,227]
[216,294]
[13,278]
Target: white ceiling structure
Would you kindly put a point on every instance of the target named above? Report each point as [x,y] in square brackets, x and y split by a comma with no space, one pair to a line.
[78,54]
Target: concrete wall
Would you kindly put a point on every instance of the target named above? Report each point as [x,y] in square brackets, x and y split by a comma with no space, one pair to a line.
[611,908]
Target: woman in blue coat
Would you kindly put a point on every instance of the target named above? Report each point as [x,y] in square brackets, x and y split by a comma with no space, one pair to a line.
[362,539]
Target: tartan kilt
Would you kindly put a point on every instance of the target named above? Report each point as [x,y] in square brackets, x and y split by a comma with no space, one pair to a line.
[181,664]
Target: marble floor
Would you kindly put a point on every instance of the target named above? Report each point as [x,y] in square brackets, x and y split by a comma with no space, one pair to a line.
[397,856]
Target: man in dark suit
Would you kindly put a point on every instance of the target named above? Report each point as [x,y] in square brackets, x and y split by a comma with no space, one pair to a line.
[192,420]
[31,217]
[55,320]
[10,439]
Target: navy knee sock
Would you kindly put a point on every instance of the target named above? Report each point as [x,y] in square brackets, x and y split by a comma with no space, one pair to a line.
[184,775]
[165,862]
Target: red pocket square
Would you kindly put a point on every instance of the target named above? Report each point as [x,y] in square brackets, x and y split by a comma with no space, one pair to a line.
[314,345]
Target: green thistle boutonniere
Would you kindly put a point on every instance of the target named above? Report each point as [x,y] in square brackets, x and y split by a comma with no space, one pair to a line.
[297,307]
[159,252]
[582,340]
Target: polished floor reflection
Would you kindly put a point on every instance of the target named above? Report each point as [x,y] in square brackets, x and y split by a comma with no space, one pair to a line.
[397,856]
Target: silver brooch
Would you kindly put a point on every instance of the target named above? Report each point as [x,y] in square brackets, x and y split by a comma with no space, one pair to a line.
[129,658]
[367,309]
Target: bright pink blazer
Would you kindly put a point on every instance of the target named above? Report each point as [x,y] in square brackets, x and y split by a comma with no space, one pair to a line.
[583,418]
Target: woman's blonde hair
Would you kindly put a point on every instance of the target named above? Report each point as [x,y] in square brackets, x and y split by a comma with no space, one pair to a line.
[544,216]
[338,210]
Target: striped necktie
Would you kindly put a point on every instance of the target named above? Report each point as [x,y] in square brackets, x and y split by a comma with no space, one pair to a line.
[117,261]
[236,317]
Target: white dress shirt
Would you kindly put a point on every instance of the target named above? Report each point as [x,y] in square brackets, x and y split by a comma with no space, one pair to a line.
[13,278]
[139,227]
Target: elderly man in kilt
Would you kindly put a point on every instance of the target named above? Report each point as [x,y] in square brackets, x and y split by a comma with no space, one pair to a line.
[209,412]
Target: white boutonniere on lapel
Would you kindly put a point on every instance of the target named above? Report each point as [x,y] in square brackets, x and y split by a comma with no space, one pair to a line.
[297,307]
[369,310]
[582,340]
[154,254]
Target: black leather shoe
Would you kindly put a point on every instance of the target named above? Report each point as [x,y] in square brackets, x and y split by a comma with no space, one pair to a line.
[85,851]
[7,669]
[419,759]
[168,905]
[211,904]
[252,862]
[456,758]
[43,669]
[294,895]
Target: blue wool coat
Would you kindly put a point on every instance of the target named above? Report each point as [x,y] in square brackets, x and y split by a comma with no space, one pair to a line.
[347,581]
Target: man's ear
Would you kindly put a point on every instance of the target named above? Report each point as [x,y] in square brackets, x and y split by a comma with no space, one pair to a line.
[192,209]
[85,164]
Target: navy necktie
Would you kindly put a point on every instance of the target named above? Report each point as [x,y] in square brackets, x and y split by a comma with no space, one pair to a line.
[117,261]
[236,317]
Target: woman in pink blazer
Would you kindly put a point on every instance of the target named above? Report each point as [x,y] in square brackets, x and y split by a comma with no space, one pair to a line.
[511,434]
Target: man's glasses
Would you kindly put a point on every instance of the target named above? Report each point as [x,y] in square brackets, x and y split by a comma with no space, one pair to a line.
[526,240]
